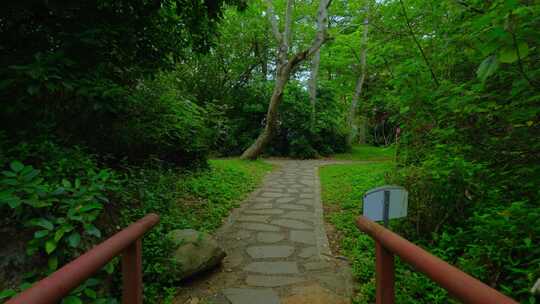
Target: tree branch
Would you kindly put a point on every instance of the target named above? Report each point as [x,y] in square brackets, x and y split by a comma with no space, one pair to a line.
[288,23]
[273,20]
[418,44]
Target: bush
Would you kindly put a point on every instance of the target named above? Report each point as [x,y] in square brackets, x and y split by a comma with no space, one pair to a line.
[163,121]
[298,136]
[55,211]
[197,200]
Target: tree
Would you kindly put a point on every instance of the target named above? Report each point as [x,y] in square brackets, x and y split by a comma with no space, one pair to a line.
[361,79]
[322,21]
[285,66]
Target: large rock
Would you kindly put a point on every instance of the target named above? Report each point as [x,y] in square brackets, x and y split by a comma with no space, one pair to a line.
[195,252]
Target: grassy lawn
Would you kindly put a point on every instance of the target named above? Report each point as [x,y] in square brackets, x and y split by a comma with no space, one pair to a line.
[221,188]
[342,189]
[368,153]
[198,200]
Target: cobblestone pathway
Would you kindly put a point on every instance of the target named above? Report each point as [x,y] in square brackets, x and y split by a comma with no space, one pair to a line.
[277,250]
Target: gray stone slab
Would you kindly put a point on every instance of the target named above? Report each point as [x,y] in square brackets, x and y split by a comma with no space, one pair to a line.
[294,224]
[300,215]
[307,195]
[254,218]
[259,199]
[272,267]
[270,237]
[259,227]
[272,281]
[308,252]
[233,259]
[273,194]
[241,235]
[305,237]
[285,200]
[304,201]
[261,206]
[265,211]
[317,265]
[248,295]
[292,207]
[270,251]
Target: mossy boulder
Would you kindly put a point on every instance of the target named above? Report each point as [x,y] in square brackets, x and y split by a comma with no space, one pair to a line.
[194,252]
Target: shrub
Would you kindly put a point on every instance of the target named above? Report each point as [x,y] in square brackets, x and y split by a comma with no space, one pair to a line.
[55,211]
[163,121]
[298,136]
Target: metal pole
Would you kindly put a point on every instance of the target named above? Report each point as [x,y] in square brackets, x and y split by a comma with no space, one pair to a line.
[386,208]
[385,275]
[459,284]
[132,274]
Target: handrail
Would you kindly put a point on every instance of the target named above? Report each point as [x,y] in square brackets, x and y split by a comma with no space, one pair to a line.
[459,284]
[126,242]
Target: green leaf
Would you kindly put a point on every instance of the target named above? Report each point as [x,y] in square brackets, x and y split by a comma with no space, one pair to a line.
[30,175]
[74,239]
[508,54]
[66,183]
[59,234]
[9,174]
[90,293]
[25,286]
[404,110]
[92,230]
[109,268]
[90,206]
[16,166]
[50,246]
[72,300]
[40,234]
[41,222]
[53,263]
[14,202]
[487,68]
[7,293]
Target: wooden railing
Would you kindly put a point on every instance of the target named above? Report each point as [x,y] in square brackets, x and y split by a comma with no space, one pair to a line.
[126,243]
[459,284]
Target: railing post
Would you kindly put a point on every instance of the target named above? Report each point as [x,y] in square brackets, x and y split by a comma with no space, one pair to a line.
[385,275]
[132,273]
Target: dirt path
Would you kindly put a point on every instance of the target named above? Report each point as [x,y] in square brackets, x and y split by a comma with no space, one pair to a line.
[277,249]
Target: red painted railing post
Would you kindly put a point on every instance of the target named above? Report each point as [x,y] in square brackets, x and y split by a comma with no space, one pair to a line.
[132,274]
[462,286]
[385,274]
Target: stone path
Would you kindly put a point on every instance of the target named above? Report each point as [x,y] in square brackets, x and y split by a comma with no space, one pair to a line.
[277,250]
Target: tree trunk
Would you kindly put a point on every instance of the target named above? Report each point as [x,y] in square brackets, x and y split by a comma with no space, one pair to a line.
[312,83]
[359,82]
[285,66]
[322,20]
[271,117]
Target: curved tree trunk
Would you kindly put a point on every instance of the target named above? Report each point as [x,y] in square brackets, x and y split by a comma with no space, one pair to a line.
[285,66]
[271,118]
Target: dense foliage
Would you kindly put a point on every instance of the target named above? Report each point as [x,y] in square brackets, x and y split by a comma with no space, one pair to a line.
[467,103]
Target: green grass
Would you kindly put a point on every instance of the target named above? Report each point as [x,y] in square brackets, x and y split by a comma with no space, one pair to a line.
[343,187]
[220,188]
[368,153]
[198,200]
